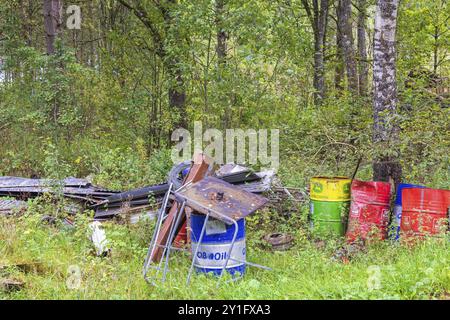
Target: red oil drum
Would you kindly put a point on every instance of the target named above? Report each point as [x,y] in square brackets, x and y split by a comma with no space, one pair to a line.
[369,210]
[425,212]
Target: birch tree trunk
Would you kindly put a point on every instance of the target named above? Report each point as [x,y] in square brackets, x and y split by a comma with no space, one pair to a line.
[362,50]
[52,23]
[347,43]
[385,129]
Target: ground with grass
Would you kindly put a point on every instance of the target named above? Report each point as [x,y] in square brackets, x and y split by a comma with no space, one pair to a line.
[64,266]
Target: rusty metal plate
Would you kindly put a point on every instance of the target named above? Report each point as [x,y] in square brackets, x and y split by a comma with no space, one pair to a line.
[214,195]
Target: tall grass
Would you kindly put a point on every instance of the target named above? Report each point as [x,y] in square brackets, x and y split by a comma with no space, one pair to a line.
[306,271]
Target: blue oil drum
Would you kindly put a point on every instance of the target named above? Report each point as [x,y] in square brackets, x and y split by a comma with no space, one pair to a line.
[213,250]
[394,232]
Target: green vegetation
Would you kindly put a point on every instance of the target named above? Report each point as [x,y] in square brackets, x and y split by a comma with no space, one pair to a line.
[102,102]
[306,271]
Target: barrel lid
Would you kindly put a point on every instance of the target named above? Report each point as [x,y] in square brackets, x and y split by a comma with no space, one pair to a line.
[400,187]
[335,188]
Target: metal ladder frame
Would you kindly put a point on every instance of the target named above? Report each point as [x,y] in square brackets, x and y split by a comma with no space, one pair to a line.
[173,229]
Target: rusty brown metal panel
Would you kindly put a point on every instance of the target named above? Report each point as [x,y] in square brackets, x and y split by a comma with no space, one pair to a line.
[215,195]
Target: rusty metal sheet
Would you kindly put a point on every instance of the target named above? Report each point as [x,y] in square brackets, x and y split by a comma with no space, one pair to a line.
[215,195]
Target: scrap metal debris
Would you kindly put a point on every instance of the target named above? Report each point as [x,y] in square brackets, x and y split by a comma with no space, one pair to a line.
[9,285]
[148,198]
[131,201]
[219,196]
[80,189]
[8,207]
[279,241]
[109,204]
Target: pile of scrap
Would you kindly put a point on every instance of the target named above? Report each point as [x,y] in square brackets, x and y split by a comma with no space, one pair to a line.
[204,192]
[148,198]
[142,201]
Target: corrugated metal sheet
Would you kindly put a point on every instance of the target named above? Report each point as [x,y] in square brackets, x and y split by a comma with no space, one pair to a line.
[71,187]
[14,182]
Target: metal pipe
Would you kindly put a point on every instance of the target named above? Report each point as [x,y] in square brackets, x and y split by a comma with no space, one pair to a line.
[202,233]
[156,232]
[173,230]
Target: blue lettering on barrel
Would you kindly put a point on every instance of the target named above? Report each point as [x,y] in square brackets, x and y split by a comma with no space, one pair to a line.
[214,247]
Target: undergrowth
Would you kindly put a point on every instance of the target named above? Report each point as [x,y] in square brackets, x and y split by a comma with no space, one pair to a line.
[67,268]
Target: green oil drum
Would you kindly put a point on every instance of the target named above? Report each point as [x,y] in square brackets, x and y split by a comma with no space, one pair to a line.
[329,218]
[329,206]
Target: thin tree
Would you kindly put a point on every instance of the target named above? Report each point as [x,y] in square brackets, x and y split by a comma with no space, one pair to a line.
[385,130]
[344,17]
[221,51]
[339,72]
[362,48]
[222,36]
[317,13]
[52,23]
[176,87]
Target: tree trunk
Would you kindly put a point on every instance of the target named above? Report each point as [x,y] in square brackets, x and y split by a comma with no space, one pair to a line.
[176,87]
[362,50]
[177,93]
[385,129]
[339,74]
[319,79]
[52,23]
[221,51]
[318,17]
[345,28]
[221,48]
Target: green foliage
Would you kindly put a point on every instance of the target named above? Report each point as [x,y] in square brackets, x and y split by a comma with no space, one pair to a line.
[303,272]
[99,108]
[124,169]
[104,111]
